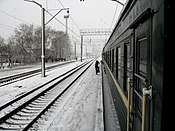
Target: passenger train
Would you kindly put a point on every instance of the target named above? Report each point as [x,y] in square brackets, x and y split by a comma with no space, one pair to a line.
[135,61]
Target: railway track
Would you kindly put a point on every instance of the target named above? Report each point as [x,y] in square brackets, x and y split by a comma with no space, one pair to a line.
[21,113]
[20,76]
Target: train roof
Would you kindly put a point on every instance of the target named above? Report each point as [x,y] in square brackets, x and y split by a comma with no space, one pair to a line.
[122,13]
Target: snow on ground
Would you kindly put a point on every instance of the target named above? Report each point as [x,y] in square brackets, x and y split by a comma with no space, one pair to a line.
[24,68]
[11,91]
[84,110]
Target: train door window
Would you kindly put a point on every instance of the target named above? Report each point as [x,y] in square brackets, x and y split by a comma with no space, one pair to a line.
[126,66]
[142,54]
[141,68]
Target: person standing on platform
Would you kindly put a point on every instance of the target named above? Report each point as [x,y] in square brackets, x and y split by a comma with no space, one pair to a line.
[97,68]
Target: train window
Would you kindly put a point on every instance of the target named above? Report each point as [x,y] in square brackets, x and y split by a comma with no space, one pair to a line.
[110,59]
[126,65]
[116,64]
[107,58]
[112,63]
[142,50]
[119,65]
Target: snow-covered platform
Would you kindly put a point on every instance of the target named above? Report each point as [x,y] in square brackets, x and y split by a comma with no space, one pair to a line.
[84,110]
[111,121]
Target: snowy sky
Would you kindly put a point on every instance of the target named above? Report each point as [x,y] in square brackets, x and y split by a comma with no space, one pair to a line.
[87,14]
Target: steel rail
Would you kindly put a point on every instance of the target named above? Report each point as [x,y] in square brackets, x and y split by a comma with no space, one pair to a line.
[54,100]
[37,88]
[19,108]
[24,74]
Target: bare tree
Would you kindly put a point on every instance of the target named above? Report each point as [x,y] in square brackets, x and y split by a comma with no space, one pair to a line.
[2,51]
[25,46]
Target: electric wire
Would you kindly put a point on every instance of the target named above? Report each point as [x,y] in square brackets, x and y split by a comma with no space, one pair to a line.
[62,24]
[7,26]
[13,16]
[114,16]
[70,16]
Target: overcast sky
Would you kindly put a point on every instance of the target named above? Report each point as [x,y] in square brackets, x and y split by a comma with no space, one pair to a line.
[87,14]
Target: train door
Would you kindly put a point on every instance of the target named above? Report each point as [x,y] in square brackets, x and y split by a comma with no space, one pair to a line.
[126,66]
[142,77]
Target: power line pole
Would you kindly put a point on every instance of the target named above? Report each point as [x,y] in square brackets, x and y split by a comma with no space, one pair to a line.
[43,33]
[81,47]
[75,51]
[43,42]
[66,17]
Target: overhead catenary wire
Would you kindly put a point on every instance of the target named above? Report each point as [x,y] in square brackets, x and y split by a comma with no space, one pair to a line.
[1,26]
[14,17]
[7,26]
[62,24]
[114,15]
[11,28]
[70,16]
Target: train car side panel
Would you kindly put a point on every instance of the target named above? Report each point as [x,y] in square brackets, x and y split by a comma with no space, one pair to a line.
[135,51]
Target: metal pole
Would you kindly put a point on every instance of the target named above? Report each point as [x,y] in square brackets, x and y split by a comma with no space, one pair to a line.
[43,38]
[66,17]
[43,43]
[75,52]
[146,91]
[66,25]
[86,51]
[143,112]
[81,47]
[128,111]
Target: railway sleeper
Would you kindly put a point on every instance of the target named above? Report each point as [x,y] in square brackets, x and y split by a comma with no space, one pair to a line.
[29,112]
[44,97]
[9,129]
[21,114]
[12,126]
[16,122]
[32,108]
[42,101]
[15,117]
[37,105]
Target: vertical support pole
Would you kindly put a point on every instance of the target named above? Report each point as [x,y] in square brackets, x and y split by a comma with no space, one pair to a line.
[66,17]
[143,112]
[81,47]
[75,52]
[146,91]
[66,25]
[128,112]
[86,51]
[43,44]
